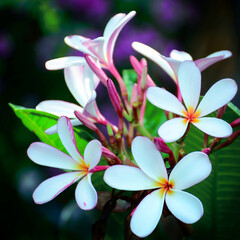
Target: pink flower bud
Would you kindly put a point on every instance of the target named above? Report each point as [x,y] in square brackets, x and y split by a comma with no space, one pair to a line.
[96,69]
[115,99]
[161,145]
[207,150]
[85,121]
[109,154]
[235,123]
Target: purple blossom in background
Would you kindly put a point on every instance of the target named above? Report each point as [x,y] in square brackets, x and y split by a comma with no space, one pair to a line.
[6,45]
[91,9]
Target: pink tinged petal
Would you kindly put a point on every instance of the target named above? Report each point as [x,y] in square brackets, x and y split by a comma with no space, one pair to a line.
[147,214]
[77,42]
[59,108]
[173,129]
[66,134]
[53,129]
[80,82]
[112,37]
[96,47]
[165,100]
[204,63]
[217,96]
[148,158]
[189,79]
[92,153]
[170,66]
[128,178]
[214,127]
[64,62]
[180,55]
[184,206]
[51,187]
[192,169]
[85,194]
[49,156]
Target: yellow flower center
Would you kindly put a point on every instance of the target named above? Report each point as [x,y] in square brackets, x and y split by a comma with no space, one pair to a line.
[165,185]
[82,166]
[191,116]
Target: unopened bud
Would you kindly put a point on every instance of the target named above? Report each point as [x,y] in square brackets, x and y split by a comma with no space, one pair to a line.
[207,150]
[134,94]
[108,154]
[96,69]
[144,78]
[161,145]
[115,99]
[221,111]
[85,121]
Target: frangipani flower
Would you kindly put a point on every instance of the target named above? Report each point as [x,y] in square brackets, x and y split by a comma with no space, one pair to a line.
[81,82]
[82,167]
[189,78]
[152,174]
[102,48]
[171,64]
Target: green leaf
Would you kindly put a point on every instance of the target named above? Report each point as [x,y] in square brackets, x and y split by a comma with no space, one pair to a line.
[38,122]
[220,192]
[129,77]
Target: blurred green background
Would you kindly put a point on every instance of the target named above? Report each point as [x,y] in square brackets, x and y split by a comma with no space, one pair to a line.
[32,32]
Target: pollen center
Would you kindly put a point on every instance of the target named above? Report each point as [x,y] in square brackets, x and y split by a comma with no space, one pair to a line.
[82,166]
[191,116]
[166,186]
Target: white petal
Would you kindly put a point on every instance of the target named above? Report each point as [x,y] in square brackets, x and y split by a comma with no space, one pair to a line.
[59,108]
[147,214]
[77,42]
[111,34]
[66,134]
[184,206]
[214,127]
[91,109]
[53,129]
[192,169]
[92,153]
[51,187]
[189,79]
[64,62]
[80,82]
[173,129]
[85,194]
[204,63]
[159,59]
[49,156]
[180,55]
[217,96]
[128,178]
[165,100]
[148,158]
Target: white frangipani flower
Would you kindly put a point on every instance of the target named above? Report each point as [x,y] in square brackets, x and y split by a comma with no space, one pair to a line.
[171,64]
[189,79]
[101,48]
[81,82]
[152,174]
[82,168]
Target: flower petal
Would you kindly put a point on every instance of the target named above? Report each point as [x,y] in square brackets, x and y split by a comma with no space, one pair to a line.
[147,214]
[214,127]
[59,108]
[92,153]
[180,55]
[77,42]
[189,79]
[159,59]
[204,63]
[49,156]
[128,178]
[53,186]
[148,158]
[173,129]
[80,82]
[64,62]
[192,169]
[184,206]
[165,100]
[53,129]
[217,96]
[111,34]
[85,194]
[66,134]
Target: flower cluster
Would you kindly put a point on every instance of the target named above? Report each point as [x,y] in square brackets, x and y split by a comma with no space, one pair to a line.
[133,155]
